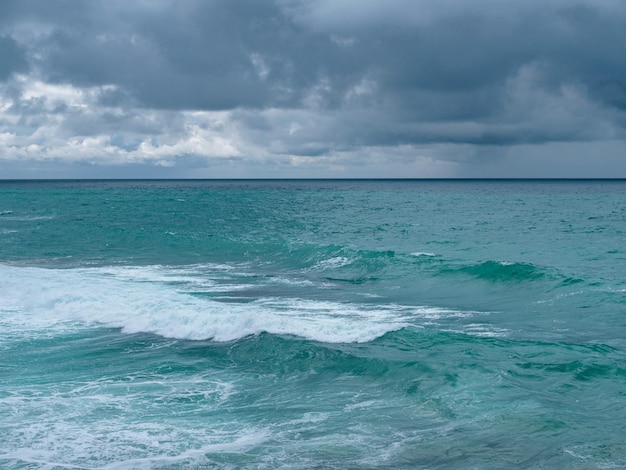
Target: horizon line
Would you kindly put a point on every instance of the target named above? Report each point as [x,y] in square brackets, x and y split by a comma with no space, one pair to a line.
[5,180]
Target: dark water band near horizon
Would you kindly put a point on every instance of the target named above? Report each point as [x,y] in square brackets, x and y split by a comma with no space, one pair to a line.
[370,324]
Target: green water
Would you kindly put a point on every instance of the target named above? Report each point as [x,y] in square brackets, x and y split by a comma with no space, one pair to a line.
[312,324]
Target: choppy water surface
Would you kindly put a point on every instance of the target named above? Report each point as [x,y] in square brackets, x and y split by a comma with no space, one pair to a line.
[312,324]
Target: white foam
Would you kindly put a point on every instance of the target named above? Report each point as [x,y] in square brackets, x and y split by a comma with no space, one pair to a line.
[482,330]
[111,423]
[331,263]
[29,218]
[153,300]
[45,300]
[239,445]
[144,446]
[423,253]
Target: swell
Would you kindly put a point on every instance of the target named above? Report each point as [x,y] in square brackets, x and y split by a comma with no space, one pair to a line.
[408,360]
[420,361]
[508,272]
[359,266]
[230,237]
[402,359]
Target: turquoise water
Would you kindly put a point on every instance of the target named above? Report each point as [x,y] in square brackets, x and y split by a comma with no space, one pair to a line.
[312,324]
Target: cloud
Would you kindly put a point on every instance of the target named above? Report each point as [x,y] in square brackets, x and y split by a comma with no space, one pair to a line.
[13,57]
[321,87]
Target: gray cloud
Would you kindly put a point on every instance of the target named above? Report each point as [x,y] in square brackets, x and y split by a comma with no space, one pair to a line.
[13,57]
[265,82]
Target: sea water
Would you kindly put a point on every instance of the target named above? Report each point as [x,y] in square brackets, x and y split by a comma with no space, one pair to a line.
[312,324]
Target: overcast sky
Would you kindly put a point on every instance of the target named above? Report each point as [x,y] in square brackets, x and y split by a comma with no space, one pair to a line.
[312,88]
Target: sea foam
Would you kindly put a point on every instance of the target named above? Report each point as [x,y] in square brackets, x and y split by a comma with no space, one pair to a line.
[155,300]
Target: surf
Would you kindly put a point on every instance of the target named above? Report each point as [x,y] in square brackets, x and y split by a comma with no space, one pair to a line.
[183,303]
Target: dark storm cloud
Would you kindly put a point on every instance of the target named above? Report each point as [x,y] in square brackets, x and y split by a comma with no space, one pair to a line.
[13,58]
[191,54]
[317,77]
[201,54]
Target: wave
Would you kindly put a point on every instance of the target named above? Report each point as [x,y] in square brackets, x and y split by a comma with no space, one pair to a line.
[503,271]
[360,266]
[342,259]
[164,301]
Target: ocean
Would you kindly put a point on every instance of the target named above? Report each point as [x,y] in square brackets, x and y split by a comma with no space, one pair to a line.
[312,324]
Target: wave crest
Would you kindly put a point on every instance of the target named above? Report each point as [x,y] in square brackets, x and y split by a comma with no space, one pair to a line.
[143,302]
[500,271]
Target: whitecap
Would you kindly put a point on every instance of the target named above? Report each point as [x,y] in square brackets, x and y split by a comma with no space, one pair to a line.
[144,299]
[331,263]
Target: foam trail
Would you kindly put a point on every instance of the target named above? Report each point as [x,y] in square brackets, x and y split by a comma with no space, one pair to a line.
[53,299]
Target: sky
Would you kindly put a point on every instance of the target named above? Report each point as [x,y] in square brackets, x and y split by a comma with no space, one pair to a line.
[312,88]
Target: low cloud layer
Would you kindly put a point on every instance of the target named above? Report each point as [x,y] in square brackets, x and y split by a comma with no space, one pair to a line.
[316,88]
